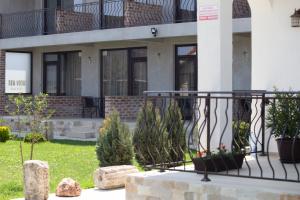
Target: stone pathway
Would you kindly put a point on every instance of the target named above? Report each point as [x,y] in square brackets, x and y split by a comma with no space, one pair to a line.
[93,194]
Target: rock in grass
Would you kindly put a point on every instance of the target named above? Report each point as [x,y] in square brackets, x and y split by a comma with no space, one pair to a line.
[36,180]
[68,188]
[112,177]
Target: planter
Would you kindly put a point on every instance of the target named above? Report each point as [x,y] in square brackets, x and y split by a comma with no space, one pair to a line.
[219,163]
[285,150]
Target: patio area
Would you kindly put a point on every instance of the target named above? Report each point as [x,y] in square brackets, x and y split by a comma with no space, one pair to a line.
[258,167]
[93,194]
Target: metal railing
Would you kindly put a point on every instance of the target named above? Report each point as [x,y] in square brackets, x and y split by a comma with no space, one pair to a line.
[222,133]
[104,14]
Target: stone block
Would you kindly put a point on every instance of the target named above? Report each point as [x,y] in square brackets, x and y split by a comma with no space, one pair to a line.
[112,177]
[36,180]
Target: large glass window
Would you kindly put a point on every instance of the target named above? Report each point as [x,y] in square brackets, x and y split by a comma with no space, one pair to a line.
[62,73]
[124,72]
[18,72]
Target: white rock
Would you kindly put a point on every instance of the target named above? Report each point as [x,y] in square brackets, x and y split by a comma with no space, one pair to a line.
[112,177]
[36,180]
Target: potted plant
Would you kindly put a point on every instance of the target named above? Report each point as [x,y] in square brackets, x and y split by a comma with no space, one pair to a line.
[219,161]
[283,119]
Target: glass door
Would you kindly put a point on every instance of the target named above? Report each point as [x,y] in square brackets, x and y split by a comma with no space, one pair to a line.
[51,78]
[186,76]
[51,68]
[186,10]
[50,7]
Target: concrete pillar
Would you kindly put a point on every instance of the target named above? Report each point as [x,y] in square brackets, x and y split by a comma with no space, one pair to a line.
[215,63]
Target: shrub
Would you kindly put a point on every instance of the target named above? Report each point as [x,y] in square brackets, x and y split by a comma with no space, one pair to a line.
[150,139]
[4,133]
[34,138]
[114,146]
[175,128]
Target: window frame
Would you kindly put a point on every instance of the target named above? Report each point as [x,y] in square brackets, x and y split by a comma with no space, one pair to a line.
[177,58]
[130,61]
[31,73]
[58,74]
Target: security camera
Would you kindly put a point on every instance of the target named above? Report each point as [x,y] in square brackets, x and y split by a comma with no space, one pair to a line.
[154,31]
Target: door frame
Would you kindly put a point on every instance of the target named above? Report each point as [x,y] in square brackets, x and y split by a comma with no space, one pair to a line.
[130,62]
[58,63]
[45,3]
[177,58]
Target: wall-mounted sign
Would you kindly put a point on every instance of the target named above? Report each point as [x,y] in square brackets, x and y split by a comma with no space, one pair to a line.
[18,73]
[208,12]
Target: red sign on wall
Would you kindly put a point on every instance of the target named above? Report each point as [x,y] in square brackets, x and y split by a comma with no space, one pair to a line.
[208,12]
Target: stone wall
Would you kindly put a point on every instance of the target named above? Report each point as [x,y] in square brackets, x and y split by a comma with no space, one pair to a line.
[127,106]
[188,186]
[139,14]
[71,21]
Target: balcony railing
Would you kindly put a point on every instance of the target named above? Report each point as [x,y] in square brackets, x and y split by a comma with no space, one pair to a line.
[250,134]
[104,14]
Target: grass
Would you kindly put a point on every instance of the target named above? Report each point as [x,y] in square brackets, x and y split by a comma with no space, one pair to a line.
[66,159]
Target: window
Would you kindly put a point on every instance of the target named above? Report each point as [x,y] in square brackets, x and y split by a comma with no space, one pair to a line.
[62,73]
[124,72]
[17,72]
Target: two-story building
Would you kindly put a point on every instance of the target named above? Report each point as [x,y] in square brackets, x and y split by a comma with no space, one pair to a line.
[112,50]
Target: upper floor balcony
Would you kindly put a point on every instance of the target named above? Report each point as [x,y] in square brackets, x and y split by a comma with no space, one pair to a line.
[57,17]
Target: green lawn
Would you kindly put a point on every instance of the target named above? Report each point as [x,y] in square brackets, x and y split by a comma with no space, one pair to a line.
[66,159]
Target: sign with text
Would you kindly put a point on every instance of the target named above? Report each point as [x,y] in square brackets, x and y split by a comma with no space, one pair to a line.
[208,12]
[18,73]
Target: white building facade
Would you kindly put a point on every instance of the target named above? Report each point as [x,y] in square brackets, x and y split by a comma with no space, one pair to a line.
[115,50]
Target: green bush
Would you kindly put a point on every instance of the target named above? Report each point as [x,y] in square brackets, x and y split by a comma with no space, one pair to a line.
[34,138]
[4,133]
[283,115]
[150,139]
[175,127]
[114,146]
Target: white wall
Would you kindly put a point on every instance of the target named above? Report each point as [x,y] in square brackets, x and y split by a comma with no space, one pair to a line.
[276,45]
[275,48]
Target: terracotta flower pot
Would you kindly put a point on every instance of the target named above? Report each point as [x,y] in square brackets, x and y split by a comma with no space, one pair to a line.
[219,163]
[285,150]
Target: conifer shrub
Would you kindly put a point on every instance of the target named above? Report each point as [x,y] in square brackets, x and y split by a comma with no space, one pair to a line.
[114,146]
[176,132]
[150,138]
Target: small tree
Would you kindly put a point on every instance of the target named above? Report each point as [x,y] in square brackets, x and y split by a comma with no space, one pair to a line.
[15,107]
[114,146]
[37,110]
[175,127]
[37,113]
[150,137]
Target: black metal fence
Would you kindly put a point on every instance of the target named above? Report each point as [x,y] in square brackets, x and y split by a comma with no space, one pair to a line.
[104,14]
[251,134]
